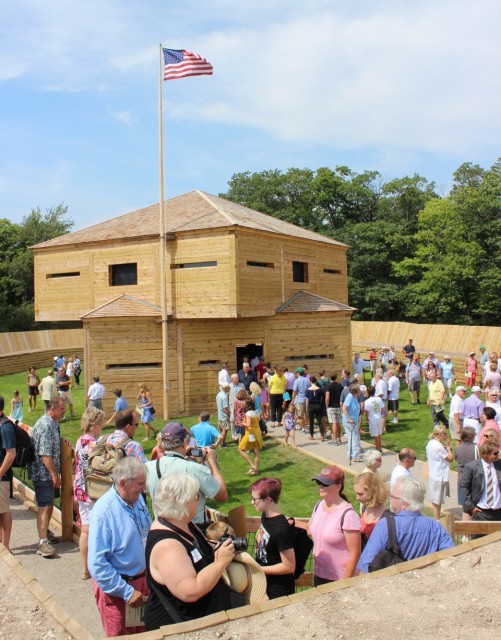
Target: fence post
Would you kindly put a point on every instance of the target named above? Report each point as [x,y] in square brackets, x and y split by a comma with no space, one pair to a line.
[67,489]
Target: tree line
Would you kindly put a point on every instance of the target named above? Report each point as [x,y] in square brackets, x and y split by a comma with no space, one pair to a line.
[414,255]
[16,263]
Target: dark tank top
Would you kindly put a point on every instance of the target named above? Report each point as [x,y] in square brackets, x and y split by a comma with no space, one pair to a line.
[220,598]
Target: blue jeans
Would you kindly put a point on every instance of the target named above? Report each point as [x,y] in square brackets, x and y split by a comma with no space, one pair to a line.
[351,431]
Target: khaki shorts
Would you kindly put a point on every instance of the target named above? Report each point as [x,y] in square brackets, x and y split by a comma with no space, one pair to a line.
[300,409]
[4,496]
[454,429]
[334,415]
[223,425]
[66,396]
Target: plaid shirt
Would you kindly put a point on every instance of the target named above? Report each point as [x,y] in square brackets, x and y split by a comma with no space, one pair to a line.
[133,449]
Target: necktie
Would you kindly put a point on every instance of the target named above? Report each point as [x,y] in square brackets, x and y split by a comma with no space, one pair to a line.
[490,488]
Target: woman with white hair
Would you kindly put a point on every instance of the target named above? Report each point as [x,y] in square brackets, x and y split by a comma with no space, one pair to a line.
[439,455]
[183,571]
[373,459]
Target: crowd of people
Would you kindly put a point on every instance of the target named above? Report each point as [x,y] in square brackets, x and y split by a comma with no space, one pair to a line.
[170,563]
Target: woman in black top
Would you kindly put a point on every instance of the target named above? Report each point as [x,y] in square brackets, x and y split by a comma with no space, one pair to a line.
[183,571]
[274,540]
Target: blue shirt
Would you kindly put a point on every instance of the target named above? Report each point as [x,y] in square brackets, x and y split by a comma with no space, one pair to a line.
[417,536]
[121,404]
[116,547]
[7,441]
[353,406]
[301,386]
[205,434]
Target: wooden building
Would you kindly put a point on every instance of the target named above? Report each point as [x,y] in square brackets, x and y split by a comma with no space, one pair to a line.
[239,283]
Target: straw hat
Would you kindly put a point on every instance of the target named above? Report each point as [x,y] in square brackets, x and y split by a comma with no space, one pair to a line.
[246,577]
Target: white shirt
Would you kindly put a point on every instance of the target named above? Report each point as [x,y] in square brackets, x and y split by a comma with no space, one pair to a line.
[393,388]
[374,407]
[496,494]
[438,466]
[96,391]
[497,408]
[223,377]
[382,389]
[399,472]
[457,406]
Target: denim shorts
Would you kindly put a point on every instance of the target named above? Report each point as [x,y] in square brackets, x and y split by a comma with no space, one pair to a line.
[44,493]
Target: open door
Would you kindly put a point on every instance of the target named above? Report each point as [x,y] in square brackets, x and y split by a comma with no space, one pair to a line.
[247,351]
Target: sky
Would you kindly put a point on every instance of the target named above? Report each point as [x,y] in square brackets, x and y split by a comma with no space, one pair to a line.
[395,86]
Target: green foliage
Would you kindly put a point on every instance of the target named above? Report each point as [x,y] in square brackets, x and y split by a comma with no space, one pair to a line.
[413,255]
[16,263]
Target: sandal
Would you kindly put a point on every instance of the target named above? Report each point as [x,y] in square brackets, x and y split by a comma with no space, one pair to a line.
[85,575]
[253,472]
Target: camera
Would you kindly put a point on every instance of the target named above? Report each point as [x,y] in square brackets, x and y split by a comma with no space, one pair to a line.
[197,453]
[240,544]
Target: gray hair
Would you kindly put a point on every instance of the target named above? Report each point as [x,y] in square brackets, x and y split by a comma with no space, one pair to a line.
[370,457]
[411,491]
[174,492]
[90,417]
[128,469]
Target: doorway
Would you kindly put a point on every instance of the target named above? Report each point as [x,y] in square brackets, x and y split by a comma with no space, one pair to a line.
[247,351]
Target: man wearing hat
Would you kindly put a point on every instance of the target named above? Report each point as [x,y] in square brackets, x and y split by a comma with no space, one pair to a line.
[176,446]
[456,414]
[301,385]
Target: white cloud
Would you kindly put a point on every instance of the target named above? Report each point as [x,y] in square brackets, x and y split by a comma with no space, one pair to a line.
[123,116]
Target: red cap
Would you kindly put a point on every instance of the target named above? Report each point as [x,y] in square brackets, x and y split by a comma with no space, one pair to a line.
[330,475]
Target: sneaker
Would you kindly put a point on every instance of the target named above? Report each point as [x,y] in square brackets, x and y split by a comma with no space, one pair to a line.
[45,550]
[52,538]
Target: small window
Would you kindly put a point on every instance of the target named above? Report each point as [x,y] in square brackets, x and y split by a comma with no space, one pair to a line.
[318,356]
[299,271]
[68,274]
[134,365]
[209,363]
[262,265]
[194,265]
[123,274]
[335,271]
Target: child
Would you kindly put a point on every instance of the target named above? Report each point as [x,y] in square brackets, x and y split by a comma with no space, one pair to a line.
[16,407]
[265,400]
[157,451]
[289,424]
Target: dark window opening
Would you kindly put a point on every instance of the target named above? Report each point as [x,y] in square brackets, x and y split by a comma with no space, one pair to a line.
[194,265]
[134,365]
[299,271]
[336,271]
[321,356]
[208,363]
[263,265]
[68,274]
[123,274]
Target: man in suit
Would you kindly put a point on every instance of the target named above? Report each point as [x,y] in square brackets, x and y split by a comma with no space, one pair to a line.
[481,484]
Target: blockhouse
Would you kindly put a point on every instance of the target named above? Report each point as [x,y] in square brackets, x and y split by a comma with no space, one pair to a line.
[239,283]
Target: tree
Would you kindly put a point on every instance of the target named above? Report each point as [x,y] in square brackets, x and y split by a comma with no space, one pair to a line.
[16,262]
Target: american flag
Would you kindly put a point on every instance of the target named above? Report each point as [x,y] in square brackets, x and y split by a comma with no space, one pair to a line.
[181,64]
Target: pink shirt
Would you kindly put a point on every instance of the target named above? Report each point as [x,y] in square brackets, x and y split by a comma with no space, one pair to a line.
[471,364]
[330,552]
[490,425]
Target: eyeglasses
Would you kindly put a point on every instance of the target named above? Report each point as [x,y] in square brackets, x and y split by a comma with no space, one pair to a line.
[321,484]
[495,453]
[256,499]
[196,497]
[395,497]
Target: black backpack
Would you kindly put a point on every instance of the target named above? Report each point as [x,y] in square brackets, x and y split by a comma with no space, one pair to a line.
[390,556]
[24,448]
[303,545]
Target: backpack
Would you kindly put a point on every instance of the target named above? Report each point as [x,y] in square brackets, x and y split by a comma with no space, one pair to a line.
[102,460]
[390,556]
[24,447]
[303,545]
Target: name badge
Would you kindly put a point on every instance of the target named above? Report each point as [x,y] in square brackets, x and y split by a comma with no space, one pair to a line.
[196,555]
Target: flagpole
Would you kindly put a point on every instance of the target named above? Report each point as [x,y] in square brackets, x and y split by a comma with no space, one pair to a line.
[163,241]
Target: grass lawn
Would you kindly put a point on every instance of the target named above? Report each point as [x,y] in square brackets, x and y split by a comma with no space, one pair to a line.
[299,493]
[292,467]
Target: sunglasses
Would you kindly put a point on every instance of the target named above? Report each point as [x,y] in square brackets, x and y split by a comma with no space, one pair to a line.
[321,484]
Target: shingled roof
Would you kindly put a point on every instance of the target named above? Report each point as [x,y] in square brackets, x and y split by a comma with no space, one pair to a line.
[124,305]
[305,302]
[189,212]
